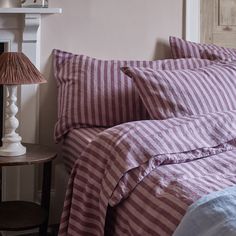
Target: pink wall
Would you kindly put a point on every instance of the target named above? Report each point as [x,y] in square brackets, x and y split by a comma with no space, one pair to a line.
[127,29]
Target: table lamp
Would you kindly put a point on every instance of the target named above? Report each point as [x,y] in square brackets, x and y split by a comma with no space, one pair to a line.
[15,69]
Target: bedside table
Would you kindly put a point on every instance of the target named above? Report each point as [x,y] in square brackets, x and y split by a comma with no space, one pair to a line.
[22,215]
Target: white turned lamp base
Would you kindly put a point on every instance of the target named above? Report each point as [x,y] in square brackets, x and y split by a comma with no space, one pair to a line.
[11,142]
[12,149]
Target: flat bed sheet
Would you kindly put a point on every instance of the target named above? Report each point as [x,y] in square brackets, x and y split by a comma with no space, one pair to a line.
[149,172]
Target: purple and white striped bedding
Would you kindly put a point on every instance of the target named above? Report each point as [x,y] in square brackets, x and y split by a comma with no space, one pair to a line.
[186,92]
[219,55]
[93,92]
[149,172]
[75,142]
[185,49]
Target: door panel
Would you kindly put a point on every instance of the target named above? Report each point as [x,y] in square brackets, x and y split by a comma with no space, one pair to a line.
[225,39]
[227,12]
[218,22]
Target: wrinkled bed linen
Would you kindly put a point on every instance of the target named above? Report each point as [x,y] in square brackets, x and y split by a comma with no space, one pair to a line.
[75,142]
[119,162]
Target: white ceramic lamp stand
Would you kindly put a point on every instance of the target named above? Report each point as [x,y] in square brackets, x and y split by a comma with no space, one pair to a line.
[15,69]
[11,141]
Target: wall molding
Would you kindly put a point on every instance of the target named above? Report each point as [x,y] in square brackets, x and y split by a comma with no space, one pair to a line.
[29,94]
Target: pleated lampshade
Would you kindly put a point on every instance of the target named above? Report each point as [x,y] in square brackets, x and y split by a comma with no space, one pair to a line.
[16,68]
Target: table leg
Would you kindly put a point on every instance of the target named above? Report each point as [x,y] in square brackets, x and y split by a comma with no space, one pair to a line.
[0,184]
[46,189]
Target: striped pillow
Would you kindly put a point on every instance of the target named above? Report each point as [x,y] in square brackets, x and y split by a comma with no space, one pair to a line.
[184,49]
[94,92]
[219,55]
[169,94]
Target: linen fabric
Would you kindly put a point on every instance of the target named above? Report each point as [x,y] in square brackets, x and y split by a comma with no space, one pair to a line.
[218,55]
[186,92]
[93,92]
[185,49]
[75,143]
[149,172]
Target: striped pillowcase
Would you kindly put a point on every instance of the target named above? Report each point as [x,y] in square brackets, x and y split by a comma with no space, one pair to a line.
[185,49]
[94,92]
[178,93]
[218,55]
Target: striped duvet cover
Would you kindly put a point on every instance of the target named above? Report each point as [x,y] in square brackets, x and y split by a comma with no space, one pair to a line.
[149,172]
[75,142]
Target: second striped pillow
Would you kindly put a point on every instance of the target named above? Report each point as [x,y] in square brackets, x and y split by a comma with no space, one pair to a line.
[176,93]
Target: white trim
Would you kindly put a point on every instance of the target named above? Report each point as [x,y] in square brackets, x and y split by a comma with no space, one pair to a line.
[31,10]
[31,48]
[192,20]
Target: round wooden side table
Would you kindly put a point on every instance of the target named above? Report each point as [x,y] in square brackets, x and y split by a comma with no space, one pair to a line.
[22,215]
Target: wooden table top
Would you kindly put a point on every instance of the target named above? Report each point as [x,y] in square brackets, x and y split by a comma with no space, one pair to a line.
[34,154]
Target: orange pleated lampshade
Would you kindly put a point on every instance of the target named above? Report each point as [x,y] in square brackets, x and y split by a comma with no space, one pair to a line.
[16,68]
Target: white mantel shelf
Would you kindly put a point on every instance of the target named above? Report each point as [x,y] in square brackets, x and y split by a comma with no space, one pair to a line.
[31,10]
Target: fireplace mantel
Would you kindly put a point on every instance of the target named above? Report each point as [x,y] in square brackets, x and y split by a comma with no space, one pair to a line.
[22,10]
[31,28]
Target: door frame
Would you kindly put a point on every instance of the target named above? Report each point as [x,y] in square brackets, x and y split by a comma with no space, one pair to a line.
[192,20]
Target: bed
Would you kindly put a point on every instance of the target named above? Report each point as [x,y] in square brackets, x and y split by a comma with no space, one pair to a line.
[137,158]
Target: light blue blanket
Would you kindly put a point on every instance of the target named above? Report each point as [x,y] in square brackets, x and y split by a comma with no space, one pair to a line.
[211,215]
